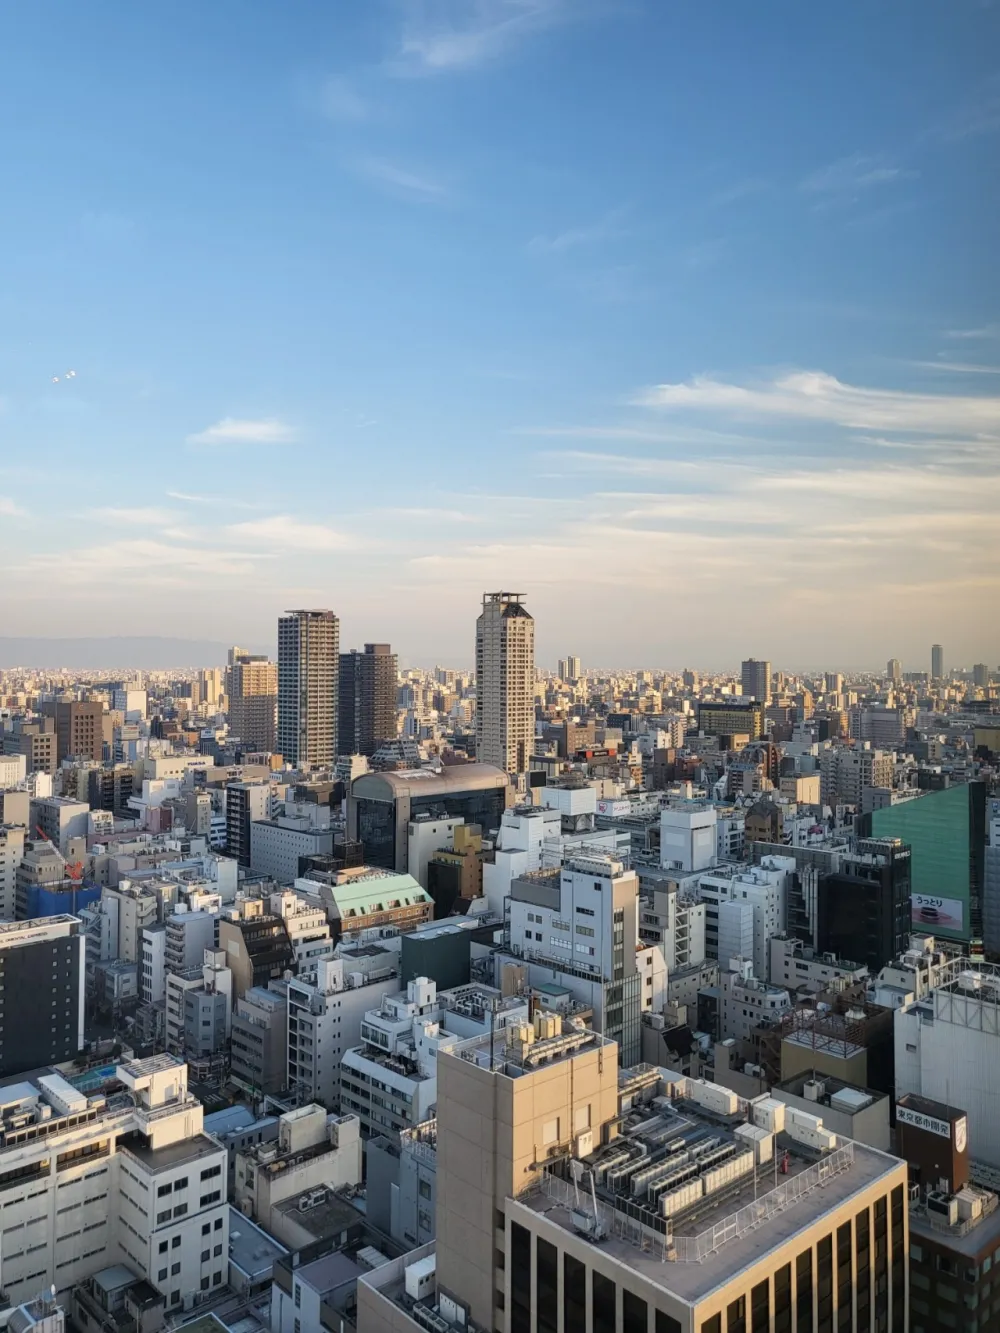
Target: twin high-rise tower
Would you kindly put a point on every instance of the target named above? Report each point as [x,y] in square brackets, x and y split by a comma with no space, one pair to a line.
[330,702]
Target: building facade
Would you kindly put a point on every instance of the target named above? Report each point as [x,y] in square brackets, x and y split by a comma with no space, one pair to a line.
[505,682]
[308,677]
[367,699]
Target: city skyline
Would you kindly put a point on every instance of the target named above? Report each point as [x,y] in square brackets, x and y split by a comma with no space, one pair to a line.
[678,343]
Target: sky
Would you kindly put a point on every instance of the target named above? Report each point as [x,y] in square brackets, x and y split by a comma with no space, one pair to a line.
[681,318]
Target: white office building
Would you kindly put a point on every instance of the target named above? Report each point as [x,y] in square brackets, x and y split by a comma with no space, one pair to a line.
[688,838]
[131,1179]
[948,1049]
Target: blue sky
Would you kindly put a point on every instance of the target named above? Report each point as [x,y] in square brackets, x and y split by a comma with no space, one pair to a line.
[683,318]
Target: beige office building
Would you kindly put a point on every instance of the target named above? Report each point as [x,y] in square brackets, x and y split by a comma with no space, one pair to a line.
[505,682]
[576,1198]
[253,701]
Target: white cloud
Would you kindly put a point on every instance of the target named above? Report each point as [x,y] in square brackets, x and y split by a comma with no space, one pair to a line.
[815,396]
[402,181]
[339,101]
[984,331]
[574,238]
[852,174]
[9,509]
[440,36]
[235,430]
[139,516]
[288,533]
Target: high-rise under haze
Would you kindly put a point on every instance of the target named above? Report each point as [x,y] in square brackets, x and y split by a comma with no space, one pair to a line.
[308,674]
[252,686]
[937,662]
[756,678]
[505,682]
[894,670]
[367,699]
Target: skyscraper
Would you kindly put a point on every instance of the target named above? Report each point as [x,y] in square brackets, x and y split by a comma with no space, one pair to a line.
[937,662]
[573,668]
[367,699]
[505,682]
[253,700]
[894,670]
[756,677]
[308,672]
[980,675]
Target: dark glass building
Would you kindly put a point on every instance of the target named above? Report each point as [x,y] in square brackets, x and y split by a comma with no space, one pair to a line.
[367,699]
[381,806]
[41,992]
[863,909]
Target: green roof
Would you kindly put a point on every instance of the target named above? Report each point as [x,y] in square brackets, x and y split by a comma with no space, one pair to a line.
[377,893]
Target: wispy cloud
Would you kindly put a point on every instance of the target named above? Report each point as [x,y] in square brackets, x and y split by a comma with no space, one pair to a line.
[339,101]
[984,331]
[574,238]
[8,509]
[848,178]
[235,430]
[225,501]
[742,189]
[288,533]
[957,367]
[979,114]
[140,516]
[815,396]
[443,36]
[402,182]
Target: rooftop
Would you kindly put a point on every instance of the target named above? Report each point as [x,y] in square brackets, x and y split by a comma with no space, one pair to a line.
[689,1241]
[173,1154]
[327,1217]
[251,1248]
[427,781]
[501,1053]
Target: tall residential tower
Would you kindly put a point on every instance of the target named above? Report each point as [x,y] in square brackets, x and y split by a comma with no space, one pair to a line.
[308,670]
[505,682]
[367,698]
[756,679]
[253,700]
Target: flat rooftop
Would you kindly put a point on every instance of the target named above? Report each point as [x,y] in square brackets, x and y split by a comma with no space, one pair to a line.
[493,1051]
[161,1159]
[250,1247]
[762,1210]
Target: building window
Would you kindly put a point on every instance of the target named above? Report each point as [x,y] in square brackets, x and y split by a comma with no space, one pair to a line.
[713,1325]
[174,1269]
[862,1263]
[546,1286]
[824,1284]
[634,1313]
[736,1315]
[665,1323]
[520,1279]
[760,1308]
[574,1294]
[783,1299]
[161,1275]
[804,1289]
[175,1244]
[604,1297]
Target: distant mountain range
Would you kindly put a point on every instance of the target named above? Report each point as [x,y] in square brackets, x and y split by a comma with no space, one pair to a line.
[129,652]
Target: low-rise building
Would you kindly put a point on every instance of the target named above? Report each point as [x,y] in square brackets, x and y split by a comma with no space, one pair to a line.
[314,1150]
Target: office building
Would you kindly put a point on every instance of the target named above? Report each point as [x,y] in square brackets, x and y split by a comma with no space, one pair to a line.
[259,1041]
[389,1081]
[313,1149]
[946,833]
[367,699]
[59,818]
[282,846]
[894,670]
[688,838]
[949,1041]
[11,852]
[577,926]
[553,1213]
[937,662]
[845,774]
[755,677]
[737,717]
[859,1114]
[129,1180]
[308,674]
[863,908]
[245,803]
[382,805]
[833,682]
[358,899]
[573,668]
[257,945]
[883,727]
[505,682]
[980,675]
[79,729]
[36,740]
[41,992]
[111,787]
[252,687]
